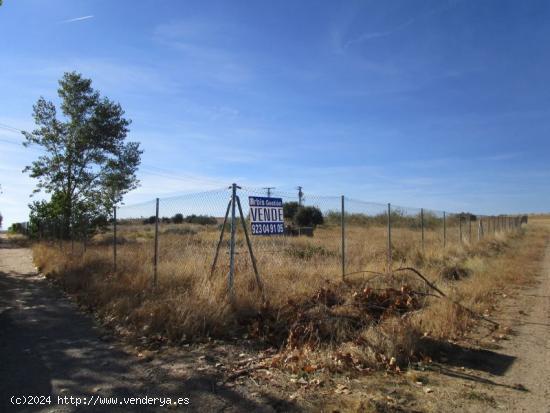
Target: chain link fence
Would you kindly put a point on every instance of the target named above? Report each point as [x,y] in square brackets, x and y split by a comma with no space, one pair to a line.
[210,234]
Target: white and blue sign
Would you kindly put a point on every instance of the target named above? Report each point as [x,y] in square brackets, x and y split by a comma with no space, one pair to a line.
[266,215]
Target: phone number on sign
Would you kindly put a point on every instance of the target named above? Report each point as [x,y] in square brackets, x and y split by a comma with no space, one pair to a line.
[264,229]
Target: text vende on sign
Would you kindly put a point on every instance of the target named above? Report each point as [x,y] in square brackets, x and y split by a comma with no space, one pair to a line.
[266,215]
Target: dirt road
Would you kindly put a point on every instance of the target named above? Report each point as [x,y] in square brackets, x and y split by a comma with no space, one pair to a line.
[49,347]
[511,374]
[529,348]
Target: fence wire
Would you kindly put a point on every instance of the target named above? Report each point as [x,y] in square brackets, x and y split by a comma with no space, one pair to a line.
[190,235]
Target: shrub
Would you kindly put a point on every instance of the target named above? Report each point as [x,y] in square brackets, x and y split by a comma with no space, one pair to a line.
[302,216]
[308,216]
[150,220]
[177,219]
[17,228]
[200,219]
[290,209]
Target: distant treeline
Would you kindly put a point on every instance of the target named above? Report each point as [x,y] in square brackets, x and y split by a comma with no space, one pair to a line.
[399,218]
[180,219]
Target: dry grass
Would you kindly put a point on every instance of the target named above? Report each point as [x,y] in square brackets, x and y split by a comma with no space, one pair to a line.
[300,275]
[19,240]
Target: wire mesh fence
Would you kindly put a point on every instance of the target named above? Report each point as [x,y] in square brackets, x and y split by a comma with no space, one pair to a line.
[212,233]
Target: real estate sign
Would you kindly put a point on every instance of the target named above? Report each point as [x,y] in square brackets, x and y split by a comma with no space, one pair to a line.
[266,215]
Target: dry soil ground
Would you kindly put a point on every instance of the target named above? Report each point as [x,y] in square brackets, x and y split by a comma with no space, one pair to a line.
[48,346]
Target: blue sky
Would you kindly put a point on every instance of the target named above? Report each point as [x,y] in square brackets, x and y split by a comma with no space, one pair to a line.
[441,104]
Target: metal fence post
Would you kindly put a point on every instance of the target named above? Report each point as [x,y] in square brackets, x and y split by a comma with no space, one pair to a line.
[232,241]
[249,244]
[114,239]
[444,229]
[389,239]
[479,226]
[460,227]
[156,256]
[220,240]
[422,226]
[343,227]
[469,228]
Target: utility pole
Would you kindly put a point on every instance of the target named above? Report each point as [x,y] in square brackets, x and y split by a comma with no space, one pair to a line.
[300,195]
[269,188]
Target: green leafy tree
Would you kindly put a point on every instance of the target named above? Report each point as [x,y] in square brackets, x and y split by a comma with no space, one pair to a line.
[290,209]
[87,165]
[308,216]
[302,216]
[177,219]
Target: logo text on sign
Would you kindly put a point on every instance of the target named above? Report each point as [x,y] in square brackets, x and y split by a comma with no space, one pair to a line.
[266,215]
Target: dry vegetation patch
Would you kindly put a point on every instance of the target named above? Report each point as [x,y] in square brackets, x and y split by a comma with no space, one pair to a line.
[315,321]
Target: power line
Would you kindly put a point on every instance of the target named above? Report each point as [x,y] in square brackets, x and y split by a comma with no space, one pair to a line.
[178,175]
[5,126]
[10,129]
[269,188]
[159,171]
[12,142]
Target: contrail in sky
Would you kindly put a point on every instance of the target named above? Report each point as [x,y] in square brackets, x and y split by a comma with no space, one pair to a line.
[77,19]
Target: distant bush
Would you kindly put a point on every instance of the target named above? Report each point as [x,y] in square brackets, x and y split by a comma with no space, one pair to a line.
[399,219]
[302,216]
[18,228]
[308,216]
[177,219]
[150,220]
[200,219]
[290,209]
